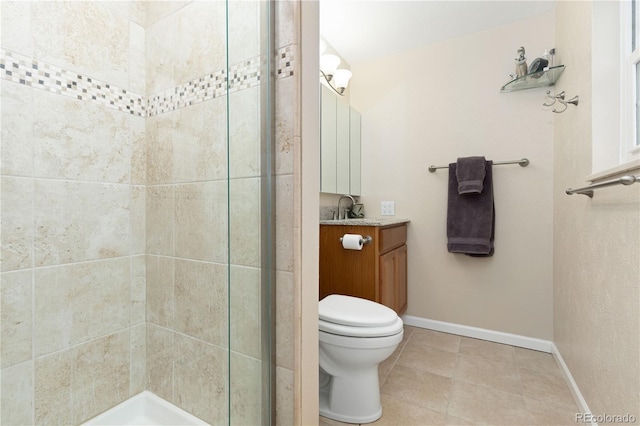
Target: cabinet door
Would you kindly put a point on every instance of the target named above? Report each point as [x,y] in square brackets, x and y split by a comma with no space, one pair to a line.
[348,272]
[388,267]
[401,280]
[393,279]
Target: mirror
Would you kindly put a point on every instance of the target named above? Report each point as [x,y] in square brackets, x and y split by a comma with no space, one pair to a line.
[354,154]
[328,141]
[339,144]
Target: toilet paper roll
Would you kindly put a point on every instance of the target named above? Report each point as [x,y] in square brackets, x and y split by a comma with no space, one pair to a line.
[352,241]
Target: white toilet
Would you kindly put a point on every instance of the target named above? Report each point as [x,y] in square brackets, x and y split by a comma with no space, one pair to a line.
[355,336]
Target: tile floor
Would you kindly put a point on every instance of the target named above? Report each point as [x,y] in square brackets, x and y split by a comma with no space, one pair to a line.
[442,379]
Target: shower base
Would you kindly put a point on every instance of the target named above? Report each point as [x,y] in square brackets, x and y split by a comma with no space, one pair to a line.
[145,409]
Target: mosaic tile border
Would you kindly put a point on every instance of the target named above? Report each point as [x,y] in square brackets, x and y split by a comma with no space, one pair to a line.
[286,59]
[242,76]
[199,90]
[33,73]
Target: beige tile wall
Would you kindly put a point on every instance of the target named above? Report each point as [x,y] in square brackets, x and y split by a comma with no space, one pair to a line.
[287,164]
[187,272]
[73,204]
[192,233]
[201,377]
[114,227]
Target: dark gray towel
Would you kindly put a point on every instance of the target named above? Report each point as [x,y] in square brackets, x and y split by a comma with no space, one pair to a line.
[470,174]
[471,217]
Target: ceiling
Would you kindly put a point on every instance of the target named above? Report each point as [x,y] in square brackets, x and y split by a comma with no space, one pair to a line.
[361,30]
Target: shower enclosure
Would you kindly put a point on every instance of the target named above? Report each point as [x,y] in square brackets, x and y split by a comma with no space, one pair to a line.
[137,205]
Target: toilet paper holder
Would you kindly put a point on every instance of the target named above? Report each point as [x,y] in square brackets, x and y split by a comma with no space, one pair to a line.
[363,240]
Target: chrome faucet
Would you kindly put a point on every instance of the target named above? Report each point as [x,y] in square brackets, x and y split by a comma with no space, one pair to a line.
[346,215]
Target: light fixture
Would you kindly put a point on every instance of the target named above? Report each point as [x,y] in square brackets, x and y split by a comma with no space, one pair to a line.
[341,79]
[330,72]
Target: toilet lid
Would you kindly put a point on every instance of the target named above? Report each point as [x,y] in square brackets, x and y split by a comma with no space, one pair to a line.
[355,312]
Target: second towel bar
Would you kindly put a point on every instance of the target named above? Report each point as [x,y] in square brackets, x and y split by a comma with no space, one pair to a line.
[588,190]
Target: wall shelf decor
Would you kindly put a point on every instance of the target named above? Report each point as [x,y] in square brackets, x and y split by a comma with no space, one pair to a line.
[547,77]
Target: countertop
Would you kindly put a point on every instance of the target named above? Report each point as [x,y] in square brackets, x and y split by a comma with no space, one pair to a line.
[367,221]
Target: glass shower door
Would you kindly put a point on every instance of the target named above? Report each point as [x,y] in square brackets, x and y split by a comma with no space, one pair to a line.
[251,218]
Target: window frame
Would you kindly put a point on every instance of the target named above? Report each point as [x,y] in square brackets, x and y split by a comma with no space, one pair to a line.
[629,80]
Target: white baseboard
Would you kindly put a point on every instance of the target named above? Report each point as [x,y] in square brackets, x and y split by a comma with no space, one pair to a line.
[573,386]
[480,333]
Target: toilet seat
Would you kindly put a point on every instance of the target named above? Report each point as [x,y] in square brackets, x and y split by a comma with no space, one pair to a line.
[348,310]
[350,331]
[355,317]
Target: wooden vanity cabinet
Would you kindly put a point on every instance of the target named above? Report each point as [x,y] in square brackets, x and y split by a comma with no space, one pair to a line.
[378,272]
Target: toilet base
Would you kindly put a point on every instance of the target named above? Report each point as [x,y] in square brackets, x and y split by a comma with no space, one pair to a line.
[337,400]
[326,412]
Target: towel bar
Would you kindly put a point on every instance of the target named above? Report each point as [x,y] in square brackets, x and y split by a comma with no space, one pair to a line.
[523,163]
[588,190]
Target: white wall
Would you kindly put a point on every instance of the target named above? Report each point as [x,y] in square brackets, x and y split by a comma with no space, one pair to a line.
[442,101]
